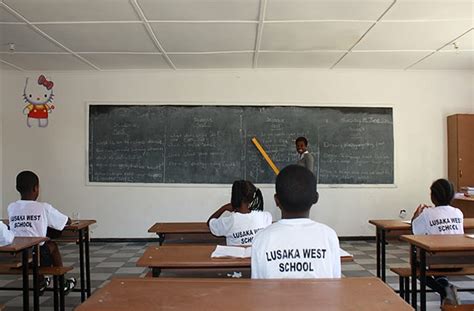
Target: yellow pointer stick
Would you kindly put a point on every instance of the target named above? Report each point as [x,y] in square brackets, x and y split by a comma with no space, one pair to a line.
[265,156]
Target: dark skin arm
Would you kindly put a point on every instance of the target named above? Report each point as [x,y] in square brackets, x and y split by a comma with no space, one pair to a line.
[228,207]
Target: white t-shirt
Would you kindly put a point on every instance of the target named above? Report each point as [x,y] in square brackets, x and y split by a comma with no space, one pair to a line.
[439,220]
[238,228]
[6,236]
[32,218]
[295,249]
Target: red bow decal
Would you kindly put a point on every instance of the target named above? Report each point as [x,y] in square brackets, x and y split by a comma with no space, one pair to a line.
[47,84]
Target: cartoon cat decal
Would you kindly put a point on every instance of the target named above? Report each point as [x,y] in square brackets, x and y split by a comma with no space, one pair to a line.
[38,97]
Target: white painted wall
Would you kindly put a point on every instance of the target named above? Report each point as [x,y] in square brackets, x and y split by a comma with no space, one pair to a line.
[421,102]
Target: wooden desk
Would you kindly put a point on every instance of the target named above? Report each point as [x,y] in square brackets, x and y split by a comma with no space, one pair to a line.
[23,245]
[191,257]
[465,204]
[165,229]
[421,245]
[395,228]
[78,231]
[347,294]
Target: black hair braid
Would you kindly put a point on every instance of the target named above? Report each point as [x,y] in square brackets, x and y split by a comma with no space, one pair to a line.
[257,202]
[236,197]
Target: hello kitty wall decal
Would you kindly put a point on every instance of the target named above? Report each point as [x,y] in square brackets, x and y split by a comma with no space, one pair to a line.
[38,97]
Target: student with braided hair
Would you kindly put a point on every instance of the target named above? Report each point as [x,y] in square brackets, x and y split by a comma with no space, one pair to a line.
[246,215]
[441,218]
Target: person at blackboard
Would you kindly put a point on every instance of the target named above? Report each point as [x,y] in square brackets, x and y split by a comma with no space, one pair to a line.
[305,158]
[296,247]
[247,216]
[441,218]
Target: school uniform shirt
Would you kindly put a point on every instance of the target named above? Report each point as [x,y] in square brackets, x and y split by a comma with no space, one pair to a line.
[240,229]
[295,249]
[306,159]
[439,220]
[32,218]
[6,236]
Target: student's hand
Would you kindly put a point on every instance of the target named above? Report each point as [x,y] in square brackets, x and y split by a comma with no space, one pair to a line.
[419,210]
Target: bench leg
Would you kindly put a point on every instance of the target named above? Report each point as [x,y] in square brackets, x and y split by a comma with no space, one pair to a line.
[407,289]
[56,292]
[401,286]
[61,292]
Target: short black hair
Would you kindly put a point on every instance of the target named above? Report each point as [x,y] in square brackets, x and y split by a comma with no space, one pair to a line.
[245,191]
[442,191]
[296,188]
[26,181]
[303,139]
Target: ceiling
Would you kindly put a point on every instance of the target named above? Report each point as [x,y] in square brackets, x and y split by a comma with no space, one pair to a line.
[106,35]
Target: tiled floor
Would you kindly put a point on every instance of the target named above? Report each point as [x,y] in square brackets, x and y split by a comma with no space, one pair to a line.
[118,260]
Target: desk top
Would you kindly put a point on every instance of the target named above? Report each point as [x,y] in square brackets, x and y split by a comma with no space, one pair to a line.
[20,243]
[79,224]
[464,198]
[441,243]
[179,227]
[396,224]
[192,256]
[348,294]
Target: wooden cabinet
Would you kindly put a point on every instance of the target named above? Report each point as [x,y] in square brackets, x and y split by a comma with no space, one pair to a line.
[461,150]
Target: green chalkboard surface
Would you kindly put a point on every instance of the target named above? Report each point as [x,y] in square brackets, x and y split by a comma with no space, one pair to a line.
[212,144]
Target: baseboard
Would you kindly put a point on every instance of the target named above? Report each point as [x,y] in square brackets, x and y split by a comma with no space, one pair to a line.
[144,240]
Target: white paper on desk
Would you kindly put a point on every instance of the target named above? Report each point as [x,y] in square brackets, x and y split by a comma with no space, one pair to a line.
[343,253]
[470,236]
[231,251]
[407,221]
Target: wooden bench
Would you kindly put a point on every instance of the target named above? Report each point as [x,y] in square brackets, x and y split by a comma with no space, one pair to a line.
[468,307]
[404,274]
[57,273]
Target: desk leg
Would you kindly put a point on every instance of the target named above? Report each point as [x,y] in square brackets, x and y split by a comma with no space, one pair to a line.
[422,280]
[24,263]
[161,238]
[155,272]
[382,265]
[88,265]
[35,253]
[413,275]
[81,263]
[377,245]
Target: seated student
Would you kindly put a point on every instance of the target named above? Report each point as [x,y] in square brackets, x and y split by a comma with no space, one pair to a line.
[440,219]
[6,236]
[29,218]
[296,246]
[247,216]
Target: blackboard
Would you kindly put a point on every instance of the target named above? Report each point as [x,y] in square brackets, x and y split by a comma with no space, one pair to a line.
[212,144]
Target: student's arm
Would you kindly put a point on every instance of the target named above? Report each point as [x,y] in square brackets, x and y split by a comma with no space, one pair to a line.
[309,161]
[220,211]
[417,221]
[56,219]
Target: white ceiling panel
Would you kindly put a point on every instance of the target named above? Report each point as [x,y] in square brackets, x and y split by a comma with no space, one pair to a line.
[200,9]
[412,35]
[433,9]
[203,61]
[25,39]
[74,10]
[380,60]
[5,16]
[46,61]
[312,36]
[463,60]
[101,37]
[298,60]
[465,43]
[325,10]
[127,61]
[205,37]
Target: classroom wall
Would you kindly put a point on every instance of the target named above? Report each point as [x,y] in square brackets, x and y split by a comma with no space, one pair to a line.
[421,103]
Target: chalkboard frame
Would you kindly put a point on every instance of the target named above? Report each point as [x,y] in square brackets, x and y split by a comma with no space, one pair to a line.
[233,104]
